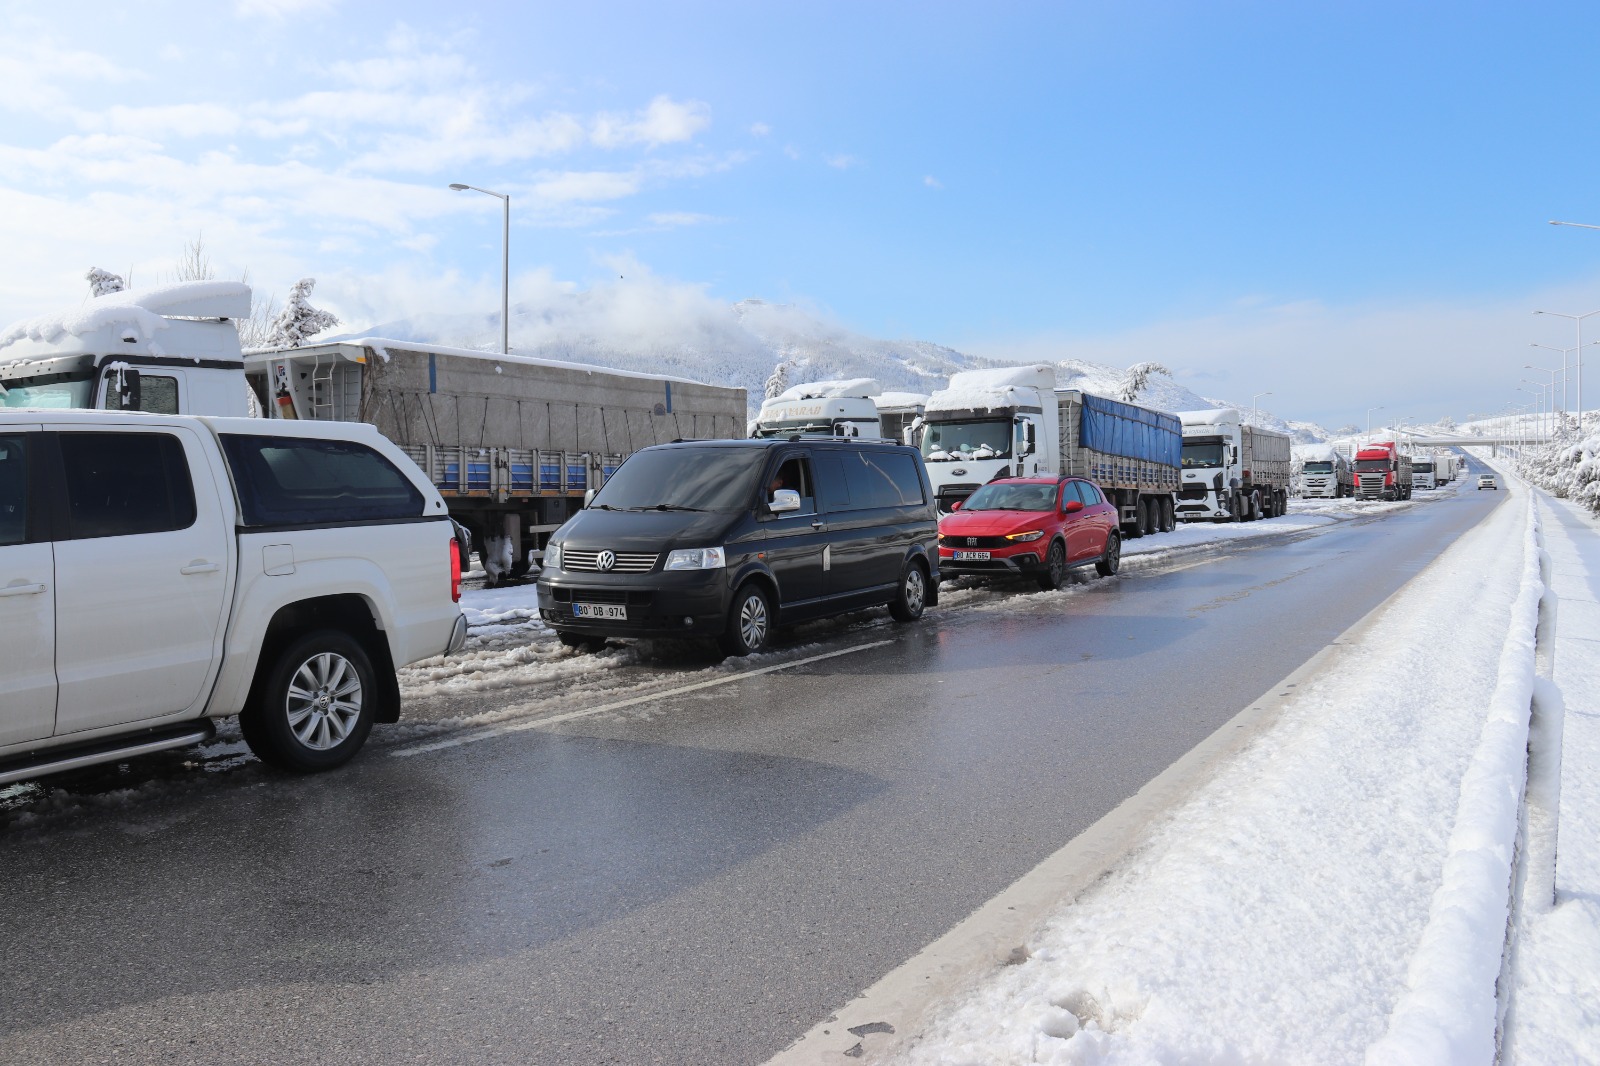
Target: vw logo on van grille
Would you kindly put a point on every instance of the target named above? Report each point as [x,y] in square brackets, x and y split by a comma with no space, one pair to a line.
[605,560]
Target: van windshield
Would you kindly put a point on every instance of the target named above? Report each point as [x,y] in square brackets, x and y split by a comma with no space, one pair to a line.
[73,389]
[684,479]
[949,441]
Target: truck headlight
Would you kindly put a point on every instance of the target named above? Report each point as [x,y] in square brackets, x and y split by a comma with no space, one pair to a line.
[1023,538]
[552,556]
[695,559]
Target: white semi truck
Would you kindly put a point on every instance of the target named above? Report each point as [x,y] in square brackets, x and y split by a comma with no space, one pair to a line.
[991,424]
[1232,471]
[851,407]
[512,443]
[1325,473]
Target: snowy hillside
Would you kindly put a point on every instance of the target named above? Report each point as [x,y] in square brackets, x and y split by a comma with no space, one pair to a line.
[744,343]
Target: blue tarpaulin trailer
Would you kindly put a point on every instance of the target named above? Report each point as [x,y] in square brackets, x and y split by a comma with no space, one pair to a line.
[1133,453]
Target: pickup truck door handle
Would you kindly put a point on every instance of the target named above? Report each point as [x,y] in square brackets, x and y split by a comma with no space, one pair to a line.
[200,566]
[21,590]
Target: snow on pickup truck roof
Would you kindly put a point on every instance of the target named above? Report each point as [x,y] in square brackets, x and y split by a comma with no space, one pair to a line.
[827,390]
[140,313]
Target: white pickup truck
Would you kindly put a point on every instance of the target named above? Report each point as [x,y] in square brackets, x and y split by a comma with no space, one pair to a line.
[158,572]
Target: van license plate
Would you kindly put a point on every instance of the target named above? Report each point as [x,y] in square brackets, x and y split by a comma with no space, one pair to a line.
[610,611]
[972,557]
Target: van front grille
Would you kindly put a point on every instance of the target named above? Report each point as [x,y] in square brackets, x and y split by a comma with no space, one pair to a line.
[626,562]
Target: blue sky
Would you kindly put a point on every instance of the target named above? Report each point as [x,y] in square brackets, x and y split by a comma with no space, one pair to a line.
[1344,203]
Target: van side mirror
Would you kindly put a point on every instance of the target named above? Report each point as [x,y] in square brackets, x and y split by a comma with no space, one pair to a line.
[784,501]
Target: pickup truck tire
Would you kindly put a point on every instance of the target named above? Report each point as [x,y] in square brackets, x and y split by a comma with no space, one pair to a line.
[1055,568]
[1111,560]
[912,599]
[749,621]
[317,704]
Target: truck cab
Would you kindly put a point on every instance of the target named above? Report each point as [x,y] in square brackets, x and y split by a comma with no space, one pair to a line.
[822,409]
[167,350]
[990,424]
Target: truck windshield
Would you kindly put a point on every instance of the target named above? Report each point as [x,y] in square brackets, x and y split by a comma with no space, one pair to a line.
[1319,467]
[684,479]
[69,390]
[1202,453]
[944,442]
[1372,464]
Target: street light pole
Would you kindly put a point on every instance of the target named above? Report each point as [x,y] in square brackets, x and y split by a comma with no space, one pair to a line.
[505,263]
[1369,422]
[1253,399]
[1578,356]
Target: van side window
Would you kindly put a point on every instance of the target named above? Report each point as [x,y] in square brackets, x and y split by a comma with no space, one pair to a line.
[882,479]
[833,489]
[795,474]
[13,490]
[122,484]
[300,481]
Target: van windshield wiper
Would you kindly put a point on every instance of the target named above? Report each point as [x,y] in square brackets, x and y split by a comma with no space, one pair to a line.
[673,507]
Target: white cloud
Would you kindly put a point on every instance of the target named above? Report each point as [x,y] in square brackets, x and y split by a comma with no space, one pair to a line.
[663,121]
[843,162]
[675,219]
[791,151]
[760,129]
[585,186]
[932,182]
[280,9]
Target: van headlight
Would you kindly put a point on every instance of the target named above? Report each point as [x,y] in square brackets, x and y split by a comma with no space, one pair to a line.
[552,556]
[695,559]
[1023,538]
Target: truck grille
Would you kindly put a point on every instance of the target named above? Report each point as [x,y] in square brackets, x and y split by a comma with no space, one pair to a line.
[1371,485]
[626,562]
[1192,492]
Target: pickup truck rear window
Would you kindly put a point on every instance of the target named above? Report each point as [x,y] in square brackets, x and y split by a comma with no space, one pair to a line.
[286,481]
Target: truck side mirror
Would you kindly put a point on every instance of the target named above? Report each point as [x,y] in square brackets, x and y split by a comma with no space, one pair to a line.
[128,392]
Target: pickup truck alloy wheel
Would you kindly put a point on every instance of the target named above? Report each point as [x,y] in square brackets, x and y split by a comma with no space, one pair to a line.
[1108,564]
[1055,568]
[317,704]
[913,598]
[749,622]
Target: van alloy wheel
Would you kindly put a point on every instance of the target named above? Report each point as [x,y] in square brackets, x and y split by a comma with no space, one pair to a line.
[749,622]
[913,597]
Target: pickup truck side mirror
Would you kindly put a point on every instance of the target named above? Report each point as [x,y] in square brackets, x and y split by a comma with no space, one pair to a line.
[128,391]
[784,501]
[588,497]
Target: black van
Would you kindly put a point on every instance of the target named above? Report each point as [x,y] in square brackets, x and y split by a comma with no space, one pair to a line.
[730,538]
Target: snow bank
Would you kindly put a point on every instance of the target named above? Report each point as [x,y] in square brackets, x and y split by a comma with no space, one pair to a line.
[140,312]
[827,390]
[1568,470]
[1449,1011]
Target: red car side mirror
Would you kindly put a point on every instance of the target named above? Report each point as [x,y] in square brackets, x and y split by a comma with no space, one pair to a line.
[1073,507]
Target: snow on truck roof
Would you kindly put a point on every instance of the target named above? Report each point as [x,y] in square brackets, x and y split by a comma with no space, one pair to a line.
[133,314]
[827,390]
[381,346]
[1213,417]
[987,389]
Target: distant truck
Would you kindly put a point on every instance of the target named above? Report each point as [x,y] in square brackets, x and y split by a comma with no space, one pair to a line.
[513,443]
[1325,473]
[1383,472]
[1014,422]
[1232,471]
[853,407]
[1426,471]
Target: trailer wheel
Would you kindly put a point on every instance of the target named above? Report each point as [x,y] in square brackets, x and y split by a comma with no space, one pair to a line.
[1255,506]
[1111,560]
[1169,515]
[1055,568]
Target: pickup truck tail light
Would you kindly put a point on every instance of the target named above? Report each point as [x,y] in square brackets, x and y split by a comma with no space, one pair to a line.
[455,571]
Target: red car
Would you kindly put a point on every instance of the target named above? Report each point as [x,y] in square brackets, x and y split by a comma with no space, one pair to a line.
[1042,526]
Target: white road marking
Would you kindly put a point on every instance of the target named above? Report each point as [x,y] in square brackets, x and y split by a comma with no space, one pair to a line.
[540,723]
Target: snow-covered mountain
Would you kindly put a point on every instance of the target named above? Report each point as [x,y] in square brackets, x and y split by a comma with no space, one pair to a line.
[743,343]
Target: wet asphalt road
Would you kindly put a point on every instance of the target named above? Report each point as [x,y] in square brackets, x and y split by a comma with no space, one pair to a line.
[693,879]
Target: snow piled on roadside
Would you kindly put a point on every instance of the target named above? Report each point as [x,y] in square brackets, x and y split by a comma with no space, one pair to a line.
[1271,917]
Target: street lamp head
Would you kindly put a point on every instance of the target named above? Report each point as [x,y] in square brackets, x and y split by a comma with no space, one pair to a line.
[458,187]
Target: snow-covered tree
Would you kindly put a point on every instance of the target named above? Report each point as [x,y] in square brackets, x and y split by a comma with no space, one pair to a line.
[1136,378]
[778,380]
[299,321]
[102,282]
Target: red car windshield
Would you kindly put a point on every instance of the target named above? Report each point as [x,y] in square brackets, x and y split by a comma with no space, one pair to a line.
[1013,497]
